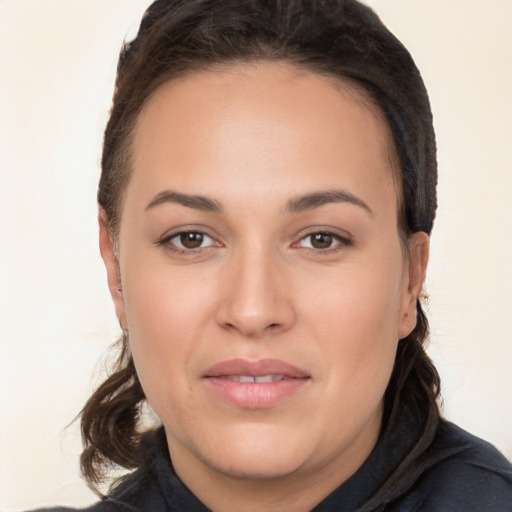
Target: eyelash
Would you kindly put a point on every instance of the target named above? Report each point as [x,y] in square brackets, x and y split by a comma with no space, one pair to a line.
[340,242]
[167,241]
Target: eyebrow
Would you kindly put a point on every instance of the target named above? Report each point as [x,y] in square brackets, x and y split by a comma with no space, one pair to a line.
[299,204]
[316,199]
[190,201]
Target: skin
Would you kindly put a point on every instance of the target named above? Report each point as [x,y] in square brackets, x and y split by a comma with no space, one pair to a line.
[252,139]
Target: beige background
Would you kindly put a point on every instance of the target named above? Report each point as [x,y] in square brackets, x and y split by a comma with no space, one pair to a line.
[57,64]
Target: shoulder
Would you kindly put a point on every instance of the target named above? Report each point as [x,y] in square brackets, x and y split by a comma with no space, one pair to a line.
[140,490]
[461,472]
[135,492]
[100,506]
[130,498]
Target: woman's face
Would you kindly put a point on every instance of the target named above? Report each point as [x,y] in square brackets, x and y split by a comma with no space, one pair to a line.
[264,285]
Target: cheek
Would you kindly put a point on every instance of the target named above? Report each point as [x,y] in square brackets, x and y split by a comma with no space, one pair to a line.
[165,312]
[158,294]
[359,298]
[356,318]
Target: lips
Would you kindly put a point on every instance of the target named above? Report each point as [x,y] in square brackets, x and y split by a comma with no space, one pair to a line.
[255,385]
[255,368]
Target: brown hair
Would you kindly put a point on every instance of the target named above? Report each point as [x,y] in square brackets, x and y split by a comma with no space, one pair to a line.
[337,38]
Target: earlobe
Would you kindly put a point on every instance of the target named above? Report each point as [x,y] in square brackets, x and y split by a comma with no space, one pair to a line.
[111,262]
[419,250]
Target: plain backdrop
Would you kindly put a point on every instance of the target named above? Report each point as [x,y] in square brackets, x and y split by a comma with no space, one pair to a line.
[57,67]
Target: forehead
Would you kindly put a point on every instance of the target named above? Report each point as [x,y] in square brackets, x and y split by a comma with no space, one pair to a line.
[240,126]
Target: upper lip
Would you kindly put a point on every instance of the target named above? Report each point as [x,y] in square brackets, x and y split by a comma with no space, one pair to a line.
[255,368]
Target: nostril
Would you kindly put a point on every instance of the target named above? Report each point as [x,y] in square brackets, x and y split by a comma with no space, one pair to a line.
[255,319]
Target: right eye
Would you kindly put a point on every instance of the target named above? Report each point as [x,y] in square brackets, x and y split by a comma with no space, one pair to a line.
[189,241]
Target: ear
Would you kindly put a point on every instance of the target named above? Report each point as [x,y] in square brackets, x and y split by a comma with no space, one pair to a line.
[419,249]
[112,266]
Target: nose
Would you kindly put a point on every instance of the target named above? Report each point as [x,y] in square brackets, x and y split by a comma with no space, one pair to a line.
[255,300]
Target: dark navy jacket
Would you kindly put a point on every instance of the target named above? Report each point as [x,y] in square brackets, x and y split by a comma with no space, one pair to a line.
[456,473]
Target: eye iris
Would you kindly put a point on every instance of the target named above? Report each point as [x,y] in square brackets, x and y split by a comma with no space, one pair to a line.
[191,240]
[321,240]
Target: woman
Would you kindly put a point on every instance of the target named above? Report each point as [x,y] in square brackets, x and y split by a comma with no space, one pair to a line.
[266,200]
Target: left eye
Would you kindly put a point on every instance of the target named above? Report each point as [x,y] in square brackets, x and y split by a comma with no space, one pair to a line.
[321,240]
[191,240]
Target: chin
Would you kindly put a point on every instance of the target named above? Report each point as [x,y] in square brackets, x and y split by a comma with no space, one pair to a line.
[254,453]
[255,467]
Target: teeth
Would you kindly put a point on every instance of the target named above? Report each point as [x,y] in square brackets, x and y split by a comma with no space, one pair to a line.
[260,380]
[269,378]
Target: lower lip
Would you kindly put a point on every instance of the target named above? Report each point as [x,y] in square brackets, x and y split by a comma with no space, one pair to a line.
[254,395]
